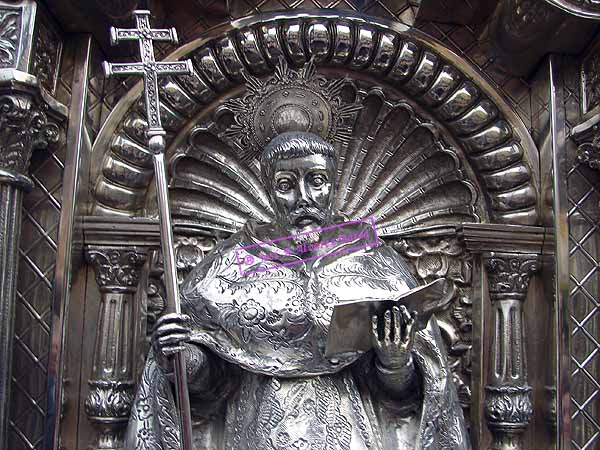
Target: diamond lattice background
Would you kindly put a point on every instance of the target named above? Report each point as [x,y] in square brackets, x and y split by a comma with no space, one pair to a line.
[584,294]
[39,236]
[37,261]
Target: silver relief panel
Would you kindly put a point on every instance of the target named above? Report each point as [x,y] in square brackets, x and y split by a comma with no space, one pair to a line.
[465,40]
[37,262]
[41,215]
[584,290]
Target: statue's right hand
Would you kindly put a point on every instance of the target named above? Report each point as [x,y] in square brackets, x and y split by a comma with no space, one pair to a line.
[169,336]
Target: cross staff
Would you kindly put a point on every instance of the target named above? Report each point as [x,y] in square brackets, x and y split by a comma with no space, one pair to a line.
[151,70]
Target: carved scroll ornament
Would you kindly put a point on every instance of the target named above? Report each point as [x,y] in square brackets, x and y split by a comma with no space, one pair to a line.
[24,127]
[10,27]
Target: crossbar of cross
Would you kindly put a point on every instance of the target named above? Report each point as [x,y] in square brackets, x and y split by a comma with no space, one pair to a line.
[148,67]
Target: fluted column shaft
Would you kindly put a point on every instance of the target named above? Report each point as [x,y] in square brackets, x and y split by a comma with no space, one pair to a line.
[508,405]
[111,394]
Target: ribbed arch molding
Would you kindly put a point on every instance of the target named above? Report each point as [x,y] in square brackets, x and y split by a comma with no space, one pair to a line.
[495,145]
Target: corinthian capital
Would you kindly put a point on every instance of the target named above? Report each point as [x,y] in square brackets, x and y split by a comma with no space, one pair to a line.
[117,268]
[24,127]
[509,273]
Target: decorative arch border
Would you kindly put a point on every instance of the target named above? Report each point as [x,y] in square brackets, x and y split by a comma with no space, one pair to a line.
[495,140]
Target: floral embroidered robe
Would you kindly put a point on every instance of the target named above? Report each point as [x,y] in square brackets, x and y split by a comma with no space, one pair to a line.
[264,381]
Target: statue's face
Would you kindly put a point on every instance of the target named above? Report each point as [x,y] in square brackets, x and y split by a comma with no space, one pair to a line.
[302,190]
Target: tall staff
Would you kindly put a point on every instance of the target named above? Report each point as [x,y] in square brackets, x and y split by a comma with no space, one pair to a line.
[151,70]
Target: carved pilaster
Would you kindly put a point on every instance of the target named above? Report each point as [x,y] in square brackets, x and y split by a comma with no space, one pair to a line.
[24,127]
[111,384]
[508,406]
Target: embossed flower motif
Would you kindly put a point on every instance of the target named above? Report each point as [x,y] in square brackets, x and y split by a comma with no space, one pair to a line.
[251,313]
[143,409]
[275,317]
[143,435]
[300,444]
[294,305]
[323,306]
[309,405]
[278,339]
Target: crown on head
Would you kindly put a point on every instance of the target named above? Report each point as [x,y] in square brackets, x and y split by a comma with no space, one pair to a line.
[289,100]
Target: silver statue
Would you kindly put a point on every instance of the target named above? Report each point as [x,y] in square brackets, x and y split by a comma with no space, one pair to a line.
[257,314]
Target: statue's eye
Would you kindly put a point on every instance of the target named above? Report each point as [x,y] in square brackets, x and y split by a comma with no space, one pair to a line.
[318,180]
[284,185]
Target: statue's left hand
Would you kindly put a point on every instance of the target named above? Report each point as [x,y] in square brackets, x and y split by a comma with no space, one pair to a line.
[170,334]
[393,335]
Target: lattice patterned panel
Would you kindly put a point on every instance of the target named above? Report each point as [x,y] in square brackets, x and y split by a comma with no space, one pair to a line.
[37,260]
[41,215]
[584,298]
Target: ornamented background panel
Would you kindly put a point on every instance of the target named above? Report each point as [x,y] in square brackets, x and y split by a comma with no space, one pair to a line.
[584,294]
[37,262]
[468,41]
[41,215]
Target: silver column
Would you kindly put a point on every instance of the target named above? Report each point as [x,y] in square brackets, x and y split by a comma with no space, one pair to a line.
[24,127]
[508,404]
[112,385]
[29,61]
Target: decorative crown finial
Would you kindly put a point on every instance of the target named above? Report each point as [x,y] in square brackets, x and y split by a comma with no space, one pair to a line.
[289,100]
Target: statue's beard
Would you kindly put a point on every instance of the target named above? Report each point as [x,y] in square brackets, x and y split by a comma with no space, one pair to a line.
[306,238]
[310,233]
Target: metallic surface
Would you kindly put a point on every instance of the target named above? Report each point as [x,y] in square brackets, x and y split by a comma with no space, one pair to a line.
[29,120]
[492,124]
[25,127]
[151,70]
[561,252]
[508,403]
[273,325]
[70,239]
[523,31]
[172,295]
[11,200]
[590,9]
[583,214]
[209,206]
[550,86]
[110,397]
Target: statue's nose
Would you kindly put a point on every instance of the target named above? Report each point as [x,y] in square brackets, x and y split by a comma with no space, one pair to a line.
[303,195]
[302,203]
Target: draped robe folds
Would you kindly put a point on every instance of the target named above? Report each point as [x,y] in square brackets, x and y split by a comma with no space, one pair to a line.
[263,380]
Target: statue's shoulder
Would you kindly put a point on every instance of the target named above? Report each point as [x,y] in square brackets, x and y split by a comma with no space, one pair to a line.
[219,259]
[386,257]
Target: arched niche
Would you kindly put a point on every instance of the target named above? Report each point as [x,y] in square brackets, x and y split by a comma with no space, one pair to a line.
[402,77]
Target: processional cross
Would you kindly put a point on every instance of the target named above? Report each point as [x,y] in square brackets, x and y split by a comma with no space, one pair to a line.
[151,70]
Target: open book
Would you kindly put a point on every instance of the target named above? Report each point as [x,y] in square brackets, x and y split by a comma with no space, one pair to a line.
[350,327]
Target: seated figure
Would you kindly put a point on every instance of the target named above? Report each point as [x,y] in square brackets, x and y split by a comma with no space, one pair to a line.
[257,315]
